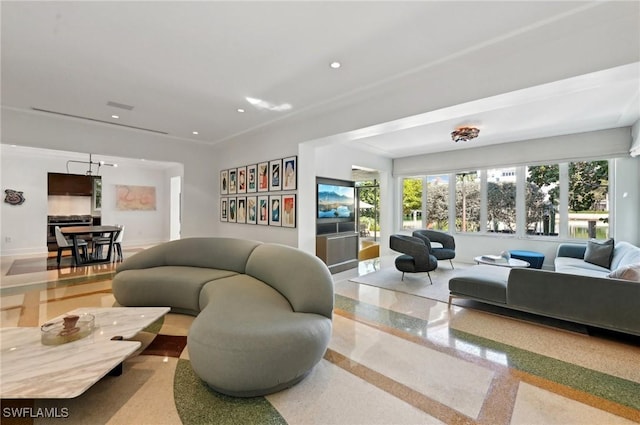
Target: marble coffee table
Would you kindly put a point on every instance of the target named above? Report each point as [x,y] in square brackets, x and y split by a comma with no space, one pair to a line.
[29,369]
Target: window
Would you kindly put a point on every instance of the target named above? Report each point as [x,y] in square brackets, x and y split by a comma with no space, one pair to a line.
[412,203]
[543,195]
[589,200]
[501,200]
[468,201]
[568,200]
[437,214]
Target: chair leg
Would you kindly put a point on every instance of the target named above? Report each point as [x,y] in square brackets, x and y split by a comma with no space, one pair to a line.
[85,252]
[402,276]
[59,256]
[451,262]
[430,281]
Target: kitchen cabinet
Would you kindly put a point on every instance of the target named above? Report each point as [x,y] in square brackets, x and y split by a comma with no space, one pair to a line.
[70,184]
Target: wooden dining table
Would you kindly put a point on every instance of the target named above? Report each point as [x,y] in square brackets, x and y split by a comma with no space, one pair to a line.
[75,231]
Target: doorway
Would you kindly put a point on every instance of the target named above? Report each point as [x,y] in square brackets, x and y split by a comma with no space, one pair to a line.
[368,212]
[176,208]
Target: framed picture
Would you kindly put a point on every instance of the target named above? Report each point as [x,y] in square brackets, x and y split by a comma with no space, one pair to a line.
[288,211]
[224,209]
[263,177]
[224,182]
[232,210]
[263,210]
[242,179]
[275,175]
[290,173]
[252,209]
[241,209]
[275,208]
[252,178]
[233,181]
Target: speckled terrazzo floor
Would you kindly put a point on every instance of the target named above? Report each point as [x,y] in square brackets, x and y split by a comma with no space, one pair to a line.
[394,358]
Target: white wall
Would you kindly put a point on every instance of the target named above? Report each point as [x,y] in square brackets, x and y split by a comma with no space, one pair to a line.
[24,227]
[141,227]
[635,136]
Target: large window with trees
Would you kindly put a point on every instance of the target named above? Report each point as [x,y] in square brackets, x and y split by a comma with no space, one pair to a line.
[568,199]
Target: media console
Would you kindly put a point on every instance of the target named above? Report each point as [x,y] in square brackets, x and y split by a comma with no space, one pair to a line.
[339,251]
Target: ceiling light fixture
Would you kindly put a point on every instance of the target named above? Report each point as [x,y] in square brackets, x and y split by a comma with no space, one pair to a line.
[463,134]
[240,110]
[115,116]
[91,164]
[263,104]
[195,132]
[335,65]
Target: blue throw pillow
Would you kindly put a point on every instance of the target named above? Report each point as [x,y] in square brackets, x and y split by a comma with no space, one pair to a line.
[599,253]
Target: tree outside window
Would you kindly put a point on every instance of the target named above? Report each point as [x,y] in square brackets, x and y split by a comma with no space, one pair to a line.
[501,200]
[543,194]
[438,202]
[468,201]
[589,199]
[412,203]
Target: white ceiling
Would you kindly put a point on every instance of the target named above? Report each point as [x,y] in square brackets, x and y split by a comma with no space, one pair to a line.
[188,66]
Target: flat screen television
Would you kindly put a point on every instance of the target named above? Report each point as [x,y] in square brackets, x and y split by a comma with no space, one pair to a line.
[335,201]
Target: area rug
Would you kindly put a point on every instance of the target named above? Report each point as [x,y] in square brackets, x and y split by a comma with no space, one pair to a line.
[418,284]
[413,283]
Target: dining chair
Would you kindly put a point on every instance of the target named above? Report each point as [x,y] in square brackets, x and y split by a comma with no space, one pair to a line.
[101,241]
[66,244]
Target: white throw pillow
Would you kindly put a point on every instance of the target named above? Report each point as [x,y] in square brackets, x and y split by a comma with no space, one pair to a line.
[628,272]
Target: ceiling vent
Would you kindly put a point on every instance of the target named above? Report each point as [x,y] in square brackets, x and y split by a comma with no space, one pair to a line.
[119,105]
[97,120]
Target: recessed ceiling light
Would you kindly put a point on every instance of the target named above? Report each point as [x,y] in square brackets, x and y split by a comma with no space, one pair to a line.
[195,132]
[240,110]
[115,116]
[335,65]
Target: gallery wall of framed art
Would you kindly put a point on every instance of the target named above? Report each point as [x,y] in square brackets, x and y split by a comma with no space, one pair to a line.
[260,193]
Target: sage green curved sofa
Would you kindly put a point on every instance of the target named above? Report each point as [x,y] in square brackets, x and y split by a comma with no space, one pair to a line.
[263,310]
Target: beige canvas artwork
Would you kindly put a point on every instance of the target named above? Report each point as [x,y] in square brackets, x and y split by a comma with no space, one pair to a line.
[135,198]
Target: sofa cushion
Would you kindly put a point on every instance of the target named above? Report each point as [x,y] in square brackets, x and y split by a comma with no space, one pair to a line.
[292,272]
[628,272]
[623,254]
[175,286]
[482,282]
[580,267]
[214,253]
[249,336]
[599,252]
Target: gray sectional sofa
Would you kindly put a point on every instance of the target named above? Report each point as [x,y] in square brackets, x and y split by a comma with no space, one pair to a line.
[577,291]
[264,311]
